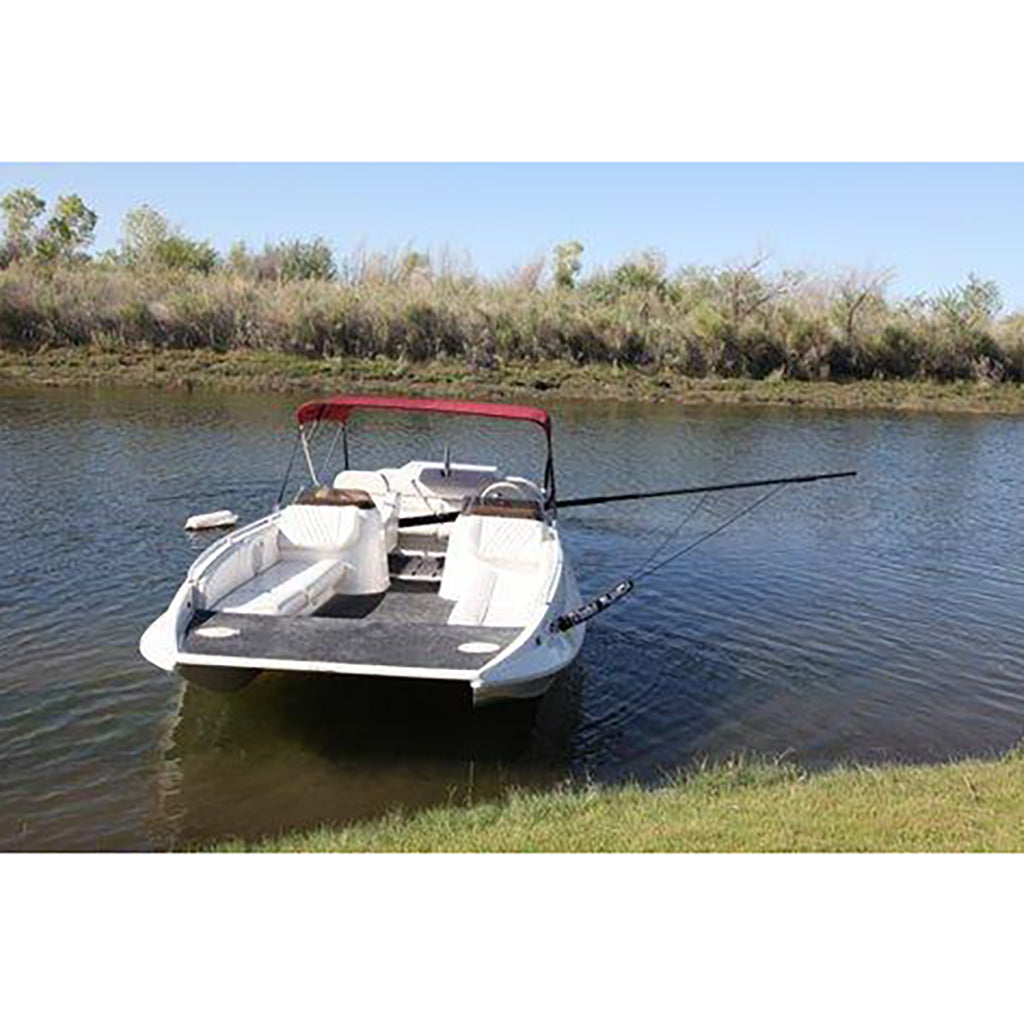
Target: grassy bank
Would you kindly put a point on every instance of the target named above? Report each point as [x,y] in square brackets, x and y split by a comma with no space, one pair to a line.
[525,381]
[753,807]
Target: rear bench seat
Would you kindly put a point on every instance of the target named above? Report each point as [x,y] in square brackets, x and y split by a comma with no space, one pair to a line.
[286,588]
[300,566]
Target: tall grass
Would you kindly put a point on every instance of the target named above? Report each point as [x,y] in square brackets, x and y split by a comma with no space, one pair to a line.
[699,322]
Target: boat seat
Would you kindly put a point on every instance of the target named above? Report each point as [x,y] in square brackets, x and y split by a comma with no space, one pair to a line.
[349,533]
[373,482]
[497,598]
[375,485]
[336,495]
[501,541]
[471,608]
[505,508]
[496,569]
[287,588]
[319,527]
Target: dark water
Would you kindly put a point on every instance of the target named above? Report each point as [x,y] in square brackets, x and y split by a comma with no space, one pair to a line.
[879,618]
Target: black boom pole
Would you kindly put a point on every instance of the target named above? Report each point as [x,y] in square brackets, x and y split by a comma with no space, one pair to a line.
[604,499]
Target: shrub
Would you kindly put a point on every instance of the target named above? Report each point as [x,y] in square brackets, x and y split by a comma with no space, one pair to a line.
[764,354]
[164,289]
[568,264]
[898,354]
[297,261]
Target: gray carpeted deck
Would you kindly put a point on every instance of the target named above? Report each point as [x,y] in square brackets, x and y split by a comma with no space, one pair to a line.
[403,602]
[402,630]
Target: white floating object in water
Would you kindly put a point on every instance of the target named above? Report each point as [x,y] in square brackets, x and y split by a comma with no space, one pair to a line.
[211,520]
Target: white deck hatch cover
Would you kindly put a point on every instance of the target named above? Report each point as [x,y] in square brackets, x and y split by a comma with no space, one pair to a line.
[478,647]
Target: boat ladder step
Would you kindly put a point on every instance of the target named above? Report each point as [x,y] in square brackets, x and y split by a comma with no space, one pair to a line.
[407,565]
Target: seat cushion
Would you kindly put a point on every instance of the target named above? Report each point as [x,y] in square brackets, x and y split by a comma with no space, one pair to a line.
[513,542]
[236,565]
[513,599]
[519,545]
[503,597]
[286,588]
[471,607]
[320,527]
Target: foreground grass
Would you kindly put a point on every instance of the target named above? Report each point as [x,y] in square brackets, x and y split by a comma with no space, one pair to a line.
[966,806]
[247,370]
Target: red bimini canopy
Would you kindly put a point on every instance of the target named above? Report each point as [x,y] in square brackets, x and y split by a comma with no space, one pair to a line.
[340,407]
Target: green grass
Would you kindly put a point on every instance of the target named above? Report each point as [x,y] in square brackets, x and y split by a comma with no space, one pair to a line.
[738,807]
[246,370]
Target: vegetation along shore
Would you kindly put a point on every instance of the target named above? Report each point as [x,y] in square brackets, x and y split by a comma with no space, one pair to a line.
[165,309]
[741,806]
[274,371]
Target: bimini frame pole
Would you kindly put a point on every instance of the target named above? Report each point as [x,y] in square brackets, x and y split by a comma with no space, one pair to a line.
[549,472]
[306,452]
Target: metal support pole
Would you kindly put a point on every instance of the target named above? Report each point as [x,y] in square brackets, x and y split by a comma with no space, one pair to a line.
[309,458]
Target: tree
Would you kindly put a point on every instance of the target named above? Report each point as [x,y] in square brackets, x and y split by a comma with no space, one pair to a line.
[971,307]
[181,253]
[149,242]
[239,261]
[743,289]
[142,232]
[858,294]
[568,263]
[65,236]
[296,261]
[643,273]
[21,209]
[70,230]
[308,261]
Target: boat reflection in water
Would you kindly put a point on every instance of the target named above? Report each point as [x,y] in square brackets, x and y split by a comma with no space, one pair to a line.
[287,754]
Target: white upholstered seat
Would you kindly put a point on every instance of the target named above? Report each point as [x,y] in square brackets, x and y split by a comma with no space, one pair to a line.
[308,556]
[318,527]
[496,569]
[286,588]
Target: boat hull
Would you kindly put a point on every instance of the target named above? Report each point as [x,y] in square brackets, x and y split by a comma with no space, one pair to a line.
[218,678]
[232,679]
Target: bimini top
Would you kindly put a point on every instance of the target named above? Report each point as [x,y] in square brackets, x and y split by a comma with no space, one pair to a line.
[340,407]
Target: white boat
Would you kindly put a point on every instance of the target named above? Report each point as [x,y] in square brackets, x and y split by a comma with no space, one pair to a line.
[432,570]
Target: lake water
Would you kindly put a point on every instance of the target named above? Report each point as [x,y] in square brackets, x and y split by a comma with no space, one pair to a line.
[878,618]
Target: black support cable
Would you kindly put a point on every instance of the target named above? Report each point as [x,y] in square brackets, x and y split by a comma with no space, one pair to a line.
[711,533]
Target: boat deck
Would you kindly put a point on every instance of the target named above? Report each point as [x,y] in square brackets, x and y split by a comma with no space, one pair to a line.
[403,629]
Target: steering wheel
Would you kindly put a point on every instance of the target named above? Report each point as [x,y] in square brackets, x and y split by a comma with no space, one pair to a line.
[515,485]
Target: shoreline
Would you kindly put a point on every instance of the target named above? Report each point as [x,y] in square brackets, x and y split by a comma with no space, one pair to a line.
[743,806]
[249,370]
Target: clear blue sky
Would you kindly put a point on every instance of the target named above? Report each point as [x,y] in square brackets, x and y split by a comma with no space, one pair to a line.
[931,223]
